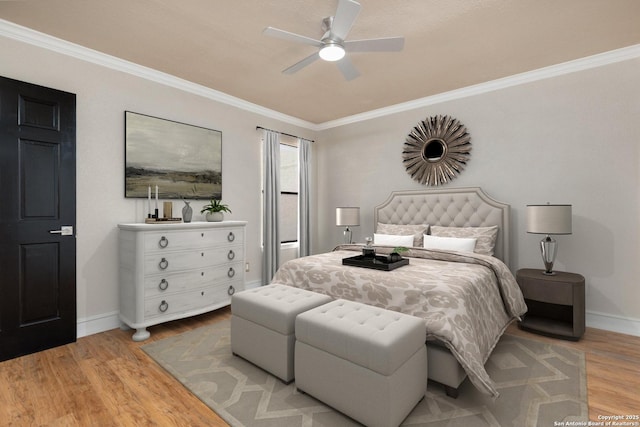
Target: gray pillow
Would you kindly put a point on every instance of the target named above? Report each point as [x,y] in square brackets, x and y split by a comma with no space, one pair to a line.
[485,236]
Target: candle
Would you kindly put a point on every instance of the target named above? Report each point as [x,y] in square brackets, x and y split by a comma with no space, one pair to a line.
[149,202]
[156,197]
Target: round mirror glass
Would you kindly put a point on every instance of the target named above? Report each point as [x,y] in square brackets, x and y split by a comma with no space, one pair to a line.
[434,150]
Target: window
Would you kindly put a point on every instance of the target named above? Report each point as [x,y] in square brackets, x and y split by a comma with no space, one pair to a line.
[288,189]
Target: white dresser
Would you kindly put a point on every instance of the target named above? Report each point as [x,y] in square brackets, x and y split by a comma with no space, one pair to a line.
[177,270]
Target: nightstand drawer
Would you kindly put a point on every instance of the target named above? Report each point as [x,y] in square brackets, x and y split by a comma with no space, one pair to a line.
[551,292]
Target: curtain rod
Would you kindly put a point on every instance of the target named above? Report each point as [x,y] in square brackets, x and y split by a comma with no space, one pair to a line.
[282,133]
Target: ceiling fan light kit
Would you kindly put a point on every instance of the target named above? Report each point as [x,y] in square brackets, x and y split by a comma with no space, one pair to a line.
[333,45]
[331,52]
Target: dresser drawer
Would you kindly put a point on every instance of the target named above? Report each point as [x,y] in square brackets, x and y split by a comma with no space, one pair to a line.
[168,305]
[177,261]
[169,283]
[178,240]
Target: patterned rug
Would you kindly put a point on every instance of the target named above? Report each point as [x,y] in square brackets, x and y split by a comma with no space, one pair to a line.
[540,384]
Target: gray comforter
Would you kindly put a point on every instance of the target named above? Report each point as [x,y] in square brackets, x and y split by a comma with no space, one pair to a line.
[466,300]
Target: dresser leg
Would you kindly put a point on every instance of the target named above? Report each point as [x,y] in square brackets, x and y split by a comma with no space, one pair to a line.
[141,334]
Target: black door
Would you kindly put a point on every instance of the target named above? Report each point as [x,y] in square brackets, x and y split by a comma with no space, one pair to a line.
[37,218]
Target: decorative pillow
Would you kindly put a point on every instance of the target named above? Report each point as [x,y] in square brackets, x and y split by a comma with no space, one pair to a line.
[392,240]
[486,236]
[403,230]
[449,243]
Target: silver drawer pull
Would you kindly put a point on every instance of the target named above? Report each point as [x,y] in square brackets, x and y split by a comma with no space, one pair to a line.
[163,285]
[231,237]
[164,242]
[164,306]
[163,264]
[231,290]
[231,255]
[231,272]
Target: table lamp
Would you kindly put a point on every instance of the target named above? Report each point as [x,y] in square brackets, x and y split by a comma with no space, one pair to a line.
[550,220]
[347,217]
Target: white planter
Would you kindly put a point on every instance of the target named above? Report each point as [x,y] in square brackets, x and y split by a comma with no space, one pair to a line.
[215,216]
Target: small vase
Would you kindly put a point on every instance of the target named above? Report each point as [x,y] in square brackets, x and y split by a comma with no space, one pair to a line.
[187,212]
[394,257]
[215,216]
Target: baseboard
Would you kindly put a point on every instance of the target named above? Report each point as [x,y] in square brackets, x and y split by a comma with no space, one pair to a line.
[612,323]
[107,321]
[96,324]
[253,284]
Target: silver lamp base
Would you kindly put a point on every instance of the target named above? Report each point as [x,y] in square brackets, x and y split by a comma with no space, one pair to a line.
[549,249]
[347,235]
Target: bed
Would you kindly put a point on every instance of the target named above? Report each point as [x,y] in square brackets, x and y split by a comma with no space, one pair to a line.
[467,299]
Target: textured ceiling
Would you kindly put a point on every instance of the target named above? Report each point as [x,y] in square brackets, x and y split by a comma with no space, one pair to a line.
[449,44]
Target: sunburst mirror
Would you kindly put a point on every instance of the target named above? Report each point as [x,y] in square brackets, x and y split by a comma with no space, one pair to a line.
[436,150]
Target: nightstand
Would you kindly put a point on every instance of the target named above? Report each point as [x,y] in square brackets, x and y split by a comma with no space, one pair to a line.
[556,303]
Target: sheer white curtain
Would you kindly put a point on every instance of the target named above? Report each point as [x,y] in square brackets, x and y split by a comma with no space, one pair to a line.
[304,162]
[271,206]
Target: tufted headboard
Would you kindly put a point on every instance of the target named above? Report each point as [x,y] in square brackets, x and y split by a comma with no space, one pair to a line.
[450,207]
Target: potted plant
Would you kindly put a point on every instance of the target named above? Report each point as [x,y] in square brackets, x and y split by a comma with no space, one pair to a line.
[396,254]
[215,210]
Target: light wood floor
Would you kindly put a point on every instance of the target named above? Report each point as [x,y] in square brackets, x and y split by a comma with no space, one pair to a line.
[107,380]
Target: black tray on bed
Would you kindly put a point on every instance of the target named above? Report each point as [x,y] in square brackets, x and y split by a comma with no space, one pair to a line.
[380,262]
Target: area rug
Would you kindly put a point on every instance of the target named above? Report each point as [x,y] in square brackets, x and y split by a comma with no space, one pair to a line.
[540,385]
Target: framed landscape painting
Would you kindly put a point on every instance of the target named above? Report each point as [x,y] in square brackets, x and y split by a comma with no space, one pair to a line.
[184,161]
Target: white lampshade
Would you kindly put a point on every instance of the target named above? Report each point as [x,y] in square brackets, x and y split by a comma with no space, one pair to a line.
[346,217]
[549,219]
[332,52]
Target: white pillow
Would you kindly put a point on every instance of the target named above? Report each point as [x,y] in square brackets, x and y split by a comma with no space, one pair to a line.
[449,243]
[393,240]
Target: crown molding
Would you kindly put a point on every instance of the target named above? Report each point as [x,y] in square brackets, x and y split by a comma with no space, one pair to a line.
[27,35]
[594,61]
[45,41]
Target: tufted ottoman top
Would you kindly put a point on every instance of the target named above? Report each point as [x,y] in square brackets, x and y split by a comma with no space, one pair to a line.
[372,337]
[275,306]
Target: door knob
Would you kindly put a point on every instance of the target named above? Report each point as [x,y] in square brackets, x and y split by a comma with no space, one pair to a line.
[65,230]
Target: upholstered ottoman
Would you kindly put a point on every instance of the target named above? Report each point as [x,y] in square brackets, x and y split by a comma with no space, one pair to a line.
[262,325]
[367,362]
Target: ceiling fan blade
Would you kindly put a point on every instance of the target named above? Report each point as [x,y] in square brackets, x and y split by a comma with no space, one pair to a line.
[286,35]
[347,69]
[344,18]
[301,64]
[390,44]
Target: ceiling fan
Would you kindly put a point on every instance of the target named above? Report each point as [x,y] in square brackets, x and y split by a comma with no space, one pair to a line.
[333,46]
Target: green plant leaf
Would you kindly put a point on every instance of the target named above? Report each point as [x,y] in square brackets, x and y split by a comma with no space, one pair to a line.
[215,205]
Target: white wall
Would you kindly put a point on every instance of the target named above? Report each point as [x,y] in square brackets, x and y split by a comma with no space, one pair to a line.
[567,139]
[103,95]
